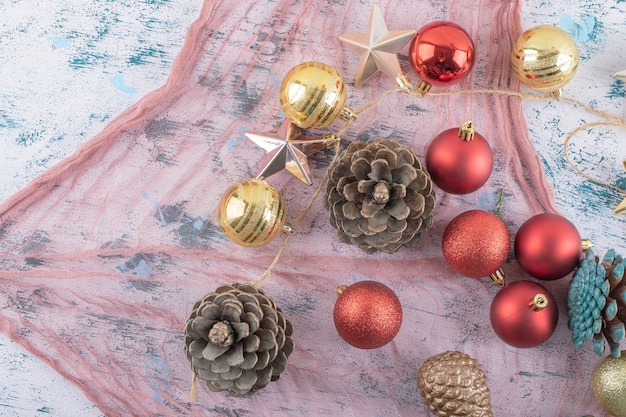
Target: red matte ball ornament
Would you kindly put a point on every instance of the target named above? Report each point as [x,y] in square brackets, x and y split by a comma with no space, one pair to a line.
[548,246]
[524,314]
[460,160]
[441,53]
[476,244]
[367,314]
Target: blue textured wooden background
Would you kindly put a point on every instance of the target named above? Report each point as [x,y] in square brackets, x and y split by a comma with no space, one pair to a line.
[67,69]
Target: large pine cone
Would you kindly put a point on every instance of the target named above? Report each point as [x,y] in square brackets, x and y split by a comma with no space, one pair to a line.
[453,385]
[596,302]
[379,196]
[237,339]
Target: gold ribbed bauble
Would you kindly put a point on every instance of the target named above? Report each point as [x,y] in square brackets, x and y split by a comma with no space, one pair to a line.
[609,384]
[545,58]
[251,212]
[312,95]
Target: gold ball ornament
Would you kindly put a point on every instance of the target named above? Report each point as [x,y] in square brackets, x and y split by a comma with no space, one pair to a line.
[545,58]
[609,384]
[251,212]
[313,95]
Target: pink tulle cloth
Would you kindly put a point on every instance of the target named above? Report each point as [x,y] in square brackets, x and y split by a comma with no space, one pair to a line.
[102,258]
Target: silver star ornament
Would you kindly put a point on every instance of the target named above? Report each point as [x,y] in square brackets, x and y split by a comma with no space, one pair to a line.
[288,152]
[379,49]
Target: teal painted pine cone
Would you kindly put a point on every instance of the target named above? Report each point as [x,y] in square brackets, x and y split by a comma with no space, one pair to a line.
[596,302]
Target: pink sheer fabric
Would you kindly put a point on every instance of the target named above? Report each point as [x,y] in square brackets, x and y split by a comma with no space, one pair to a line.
[102,257]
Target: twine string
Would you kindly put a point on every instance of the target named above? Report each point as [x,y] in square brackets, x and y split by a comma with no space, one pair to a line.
[609,120]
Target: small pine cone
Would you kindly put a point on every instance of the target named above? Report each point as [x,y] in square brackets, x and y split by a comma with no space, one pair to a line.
[237,339]
[453,385]
[379,196]
[596,302]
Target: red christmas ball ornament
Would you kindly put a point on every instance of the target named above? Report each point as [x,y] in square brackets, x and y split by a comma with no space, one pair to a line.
[524,314]
[476,243]
[459,160]
[548,246]
[367,314]
[441,53]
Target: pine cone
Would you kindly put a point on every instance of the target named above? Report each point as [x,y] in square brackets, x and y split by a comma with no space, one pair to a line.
[453,385]
[596,302]
[379,196]
[237,339]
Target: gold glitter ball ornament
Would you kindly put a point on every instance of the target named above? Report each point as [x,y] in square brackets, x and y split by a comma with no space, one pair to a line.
[545,58]
[609,384]
[313,95]
[251,212]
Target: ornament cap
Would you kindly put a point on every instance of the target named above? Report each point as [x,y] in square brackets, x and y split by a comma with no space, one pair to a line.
[330,139]
[539,302]
[403,82]
[288,229]
[556,94]
[341,288]
[587,244]
[423,87]
[498,278]
[466,131]
[347,114]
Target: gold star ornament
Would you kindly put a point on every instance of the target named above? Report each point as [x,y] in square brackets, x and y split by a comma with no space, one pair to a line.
[379,49]
[621,76]
[289,151]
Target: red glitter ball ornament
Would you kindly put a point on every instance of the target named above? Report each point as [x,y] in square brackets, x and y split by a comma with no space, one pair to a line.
[475,243]
[367,314]
[524,314]
[460,160]
[548,246]
[442,53]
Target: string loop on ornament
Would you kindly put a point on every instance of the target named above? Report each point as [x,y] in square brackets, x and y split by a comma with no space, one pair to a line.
[616,123]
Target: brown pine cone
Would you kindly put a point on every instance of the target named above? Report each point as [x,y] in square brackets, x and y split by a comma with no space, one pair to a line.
[453,385]
[237,339]
[379,196]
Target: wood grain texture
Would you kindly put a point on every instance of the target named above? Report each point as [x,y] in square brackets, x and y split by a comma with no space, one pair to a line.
[113,245]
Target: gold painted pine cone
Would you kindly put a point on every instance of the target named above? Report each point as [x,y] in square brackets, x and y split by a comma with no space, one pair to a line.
[453,385]
[237,339]
[379,196]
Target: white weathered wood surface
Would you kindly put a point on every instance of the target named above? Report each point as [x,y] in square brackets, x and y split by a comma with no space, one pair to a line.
[68,69]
